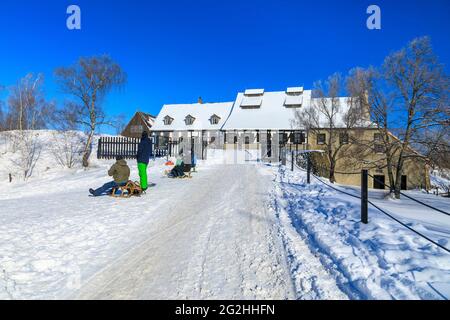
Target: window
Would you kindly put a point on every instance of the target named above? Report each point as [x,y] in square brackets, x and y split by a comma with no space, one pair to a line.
[377,137]
[214,119]
[404,183]
[247,140]
[136,129]
[189,120]
[321,137]
[167,120]
[343,138]
[378,148]
[299,138]
[283,138]
[235,139]
[378,182]
[252,98]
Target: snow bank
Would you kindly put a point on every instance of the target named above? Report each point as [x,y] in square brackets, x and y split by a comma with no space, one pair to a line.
[381,260]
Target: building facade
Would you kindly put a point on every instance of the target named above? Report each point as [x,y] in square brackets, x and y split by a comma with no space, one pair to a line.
[264,126]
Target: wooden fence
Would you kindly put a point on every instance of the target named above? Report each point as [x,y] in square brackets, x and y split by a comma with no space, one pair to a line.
[111,147]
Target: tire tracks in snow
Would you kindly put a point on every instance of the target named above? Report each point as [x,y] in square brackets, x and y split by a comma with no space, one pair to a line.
[312,279]
[195,252]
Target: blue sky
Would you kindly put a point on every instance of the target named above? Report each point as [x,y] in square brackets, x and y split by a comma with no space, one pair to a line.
[176,51]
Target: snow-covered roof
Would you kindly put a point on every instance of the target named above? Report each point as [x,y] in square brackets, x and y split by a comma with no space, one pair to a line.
[292,101]
[251,101]
[294,90]
[277,111]
[252,92]
[201,112]
[339,121]
[272,113]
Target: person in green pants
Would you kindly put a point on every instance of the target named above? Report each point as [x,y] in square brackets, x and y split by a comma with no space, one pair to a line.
[143,158]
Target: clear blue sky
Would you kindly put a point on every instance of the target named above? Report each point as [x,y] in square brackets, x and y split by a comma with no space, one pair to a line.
[175,51]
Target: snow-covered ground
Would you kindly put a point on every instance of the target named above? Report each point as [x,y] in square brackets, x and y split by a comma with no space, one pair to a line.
[247,231]
[381,260]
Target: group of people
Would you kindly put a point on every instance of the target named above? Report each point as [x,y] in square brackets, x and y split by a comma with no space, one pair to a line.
[120,171]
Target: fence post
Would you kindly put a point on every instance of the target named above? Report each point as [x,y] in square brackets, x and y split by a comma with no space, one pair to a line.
[308,169]
[99,148]
[364,196]
[292,162]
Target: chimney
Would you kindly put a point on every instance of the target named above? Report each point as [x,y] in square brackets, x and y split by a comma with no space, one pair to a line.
[200,100]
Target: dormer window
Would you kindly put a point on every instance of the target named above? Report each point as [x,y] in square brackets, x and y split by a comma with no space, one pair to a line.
[294,97]
[167,120]
[252,98]
[189,120]
[214,119]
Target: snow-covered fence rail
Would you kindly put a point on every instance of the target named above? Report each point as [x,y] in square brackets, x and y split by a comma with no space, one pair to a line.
[385,212]
[411,198]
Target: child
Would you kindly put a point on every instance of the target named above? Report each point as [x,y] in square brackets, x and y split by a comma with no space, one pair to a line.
[120,173]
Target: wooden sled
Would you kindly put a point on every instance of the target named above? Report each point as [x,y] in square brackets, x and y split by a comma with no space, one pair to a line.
[129,190]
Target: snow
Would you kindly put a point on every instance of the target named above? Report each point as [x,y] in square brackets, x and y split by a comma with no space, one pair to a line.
[294,90]
[211,236]
[251,101]
[380,260]
[250,92]
[201,112]
[293,100]
[233,231]
[272,113]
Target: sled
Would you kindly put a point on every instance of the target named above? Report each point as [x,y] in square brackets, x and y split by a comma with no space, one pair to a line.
[128,190]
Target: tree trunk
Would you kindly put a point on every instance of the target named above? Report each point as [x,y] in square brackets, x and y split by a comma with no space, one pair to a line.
[398,179]
[88,149]
[332,172]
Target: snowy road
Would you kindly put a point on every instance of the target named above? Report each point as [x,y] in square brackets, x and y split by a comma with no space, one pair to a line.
[215,240]
[215,236]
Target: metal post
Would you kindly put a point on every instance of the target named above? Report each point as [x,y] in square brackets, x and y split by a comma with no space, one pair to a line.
[292,162]
[308,169]
[364,196]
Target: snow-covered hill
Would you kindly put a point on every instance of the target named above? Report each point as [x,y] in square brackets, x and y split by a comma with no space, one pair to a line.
[42,153]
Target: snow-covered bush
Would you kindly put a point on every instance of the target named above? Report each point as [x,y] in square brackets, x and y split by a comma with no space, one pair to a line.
[27,148]
[67,147]
[440,180]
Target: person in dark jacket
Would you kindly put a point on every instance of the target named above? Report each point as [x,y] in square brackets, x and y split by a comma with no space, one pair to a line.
[143,158]
[177,170]
[120,173]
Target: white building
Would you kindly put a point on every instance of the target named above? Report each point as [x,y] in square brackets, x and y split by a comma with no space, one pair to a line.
[256,120]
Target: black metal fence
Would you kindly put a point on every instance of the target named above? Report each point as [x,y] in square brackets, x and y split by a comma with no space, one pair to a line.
[111,147]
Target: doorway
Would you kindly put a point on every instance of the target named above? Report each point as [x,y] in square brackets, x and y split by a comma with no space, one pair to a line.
[404,184]
[378,182]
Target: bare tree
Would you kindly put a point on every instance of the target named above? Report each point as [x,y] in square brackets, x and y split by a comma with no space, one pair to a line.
[28,151]
[120,123]
[2,118]
[333,116]
[89,81]
[407,97]
[434,143]
[67,147]
[28,109]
